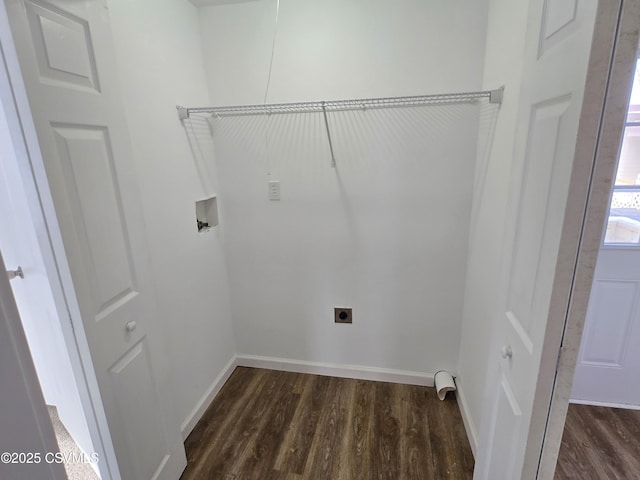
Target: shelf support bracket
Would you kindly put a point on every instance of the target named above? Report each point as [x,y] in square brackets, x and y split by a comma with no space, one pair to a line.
[183,113]
[495,96]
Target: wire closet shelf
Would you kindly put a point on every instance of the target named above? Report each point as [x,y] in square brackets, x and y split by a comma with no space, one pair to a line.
[494,96]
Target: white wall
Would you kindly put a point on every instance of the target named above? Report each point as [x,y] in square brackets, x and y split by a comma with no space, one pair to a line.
[160,64]
[336,49]
[503,66]
[386,232]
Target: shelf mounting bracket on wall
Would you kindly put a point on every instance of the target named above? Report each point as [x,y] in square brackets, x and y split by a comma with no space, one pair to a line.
[183,113]
[495,96]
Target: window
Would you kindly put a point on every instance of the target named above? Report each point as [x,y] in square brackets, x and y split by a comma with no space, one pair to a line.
[623,226]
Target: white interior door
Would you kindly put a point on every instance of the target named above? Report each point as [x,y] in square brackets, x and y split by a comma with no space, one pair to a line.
[24,422]
[34,298]
[609,360]
[555,62]
[67,61]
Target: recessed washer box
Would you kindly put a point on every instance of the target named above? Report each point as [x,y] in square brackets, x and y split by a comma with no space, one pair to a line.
[206,214]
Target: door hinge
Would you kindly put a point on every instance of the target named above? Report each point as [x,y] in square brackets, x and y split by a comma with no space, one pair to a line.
[559,357]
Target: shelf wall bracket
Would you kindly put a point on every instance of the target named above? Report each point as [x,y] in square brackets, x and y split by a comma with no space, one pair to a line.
[495,96]
[183,113]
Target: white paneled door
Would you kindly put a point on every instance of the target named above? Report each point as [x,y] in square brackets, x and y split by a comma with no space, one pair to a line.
[24,420]
[33,295]
[555,63]
[608,368]
[67,61]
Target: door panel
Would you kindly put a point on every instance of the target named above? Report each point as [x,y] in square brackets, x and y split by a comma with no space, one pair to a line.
[527,279]
[62,45]
[66,55]
[555,62]
[506,420]
[92,193]
[132,373]
[609,356]
[560,19]
[606,344]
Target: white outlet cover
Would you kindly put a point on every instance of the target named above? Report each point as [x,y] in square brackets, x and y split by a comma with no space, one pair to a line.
[274,190]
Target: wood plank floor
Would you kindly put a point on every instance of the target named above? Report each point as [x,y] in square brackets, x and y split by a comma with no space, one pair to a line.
[600,443]
[272,425]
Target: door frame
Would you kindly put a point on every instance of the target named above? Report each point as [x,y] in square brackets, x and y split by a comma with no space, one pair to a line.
[34,181]
[606,249]
[605,102]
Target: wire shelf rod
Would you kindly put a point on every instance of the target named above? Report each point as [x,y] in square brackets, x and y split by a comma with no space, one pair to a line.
[494,96]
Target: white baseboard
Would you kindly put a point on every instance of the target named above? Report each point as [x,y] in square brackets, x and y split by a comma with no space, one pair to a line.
[605,404]
[336,370]
[469,426]
[190,422]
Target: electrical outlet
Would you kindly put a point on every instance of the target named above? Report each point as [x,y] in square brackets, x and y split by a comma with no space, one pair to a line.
[274,190]
[343,315]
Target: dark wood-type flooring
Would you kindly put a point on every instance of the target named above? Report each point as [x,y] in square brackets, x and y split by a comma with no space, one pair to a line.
[600,443]
[271,425]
